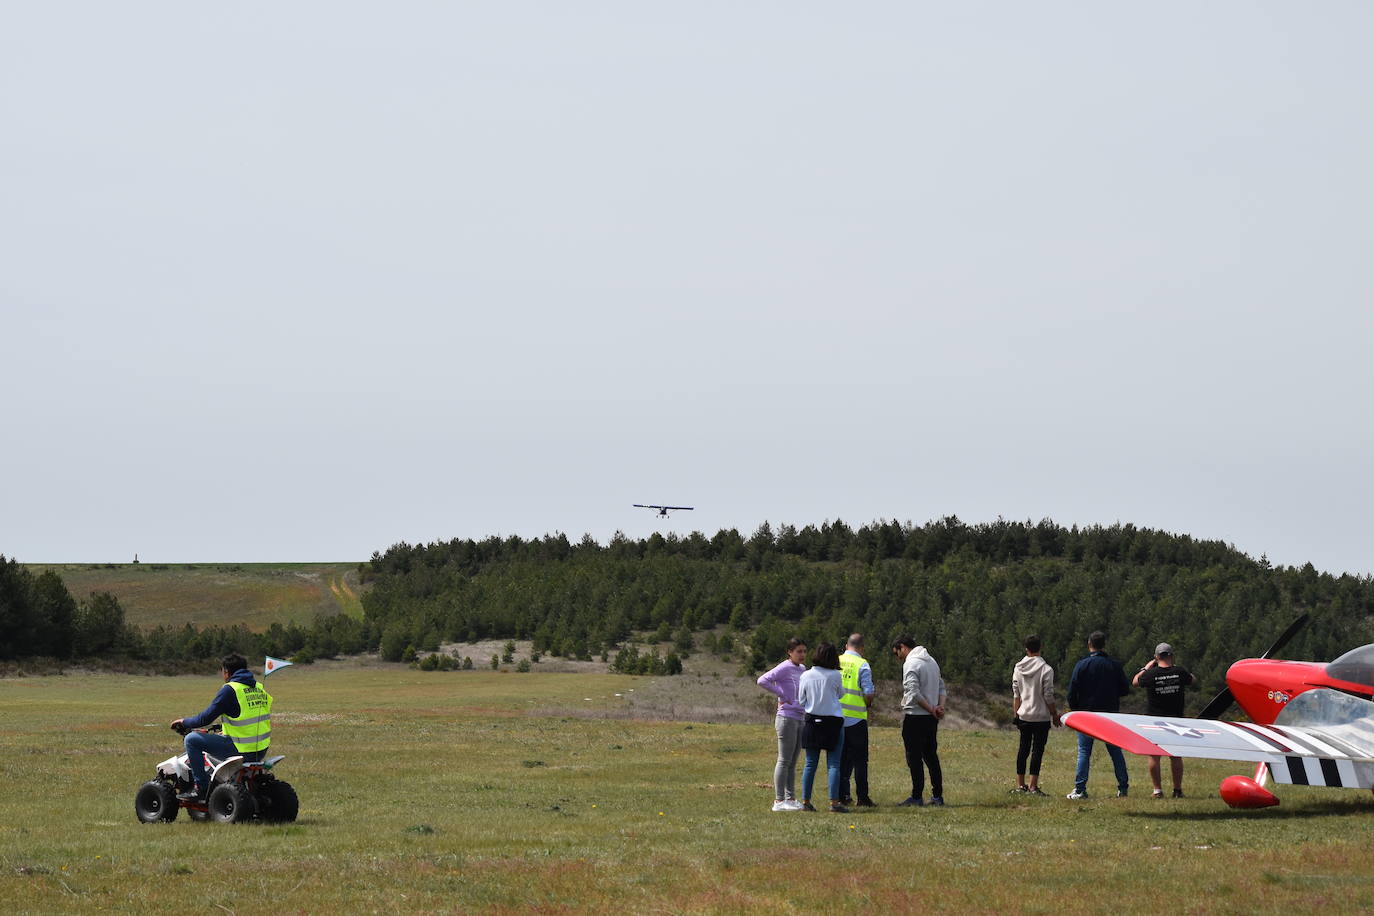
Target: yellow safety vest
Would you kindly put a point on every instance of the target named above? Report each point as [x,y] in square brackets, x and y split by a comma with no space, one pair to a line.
[252,730]
[853,700]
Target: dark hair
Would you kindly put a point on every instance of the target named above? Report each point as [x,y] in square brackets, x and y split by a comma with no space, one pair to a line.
[794,642]
[825,656]
[907,641]
[1032,643]
[1097,640]
[233,662]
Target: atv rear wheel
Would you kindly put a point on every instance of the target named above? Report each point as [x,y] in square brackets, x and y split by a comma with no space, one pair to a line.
[156,801]
[278,802]
[231,804]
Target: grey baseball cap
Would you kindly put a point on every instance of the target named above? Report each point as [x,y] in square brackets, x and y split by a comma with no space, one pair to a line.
[1164,649]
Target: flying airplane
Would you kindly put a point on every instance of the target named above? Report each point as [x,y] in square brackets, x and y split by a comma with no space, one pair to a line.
[664,510]
[1312,724]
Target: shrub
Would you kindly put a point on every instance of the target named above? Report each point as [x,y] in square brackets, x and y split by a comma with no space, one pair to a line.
[394,641]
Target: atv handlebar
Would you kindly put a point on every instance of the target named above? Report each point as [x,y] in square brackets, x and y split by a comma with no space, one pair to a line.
[181,729]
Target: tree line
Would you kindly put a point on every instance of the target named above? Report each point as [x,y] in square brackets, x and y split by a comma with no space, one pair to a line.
[969,592]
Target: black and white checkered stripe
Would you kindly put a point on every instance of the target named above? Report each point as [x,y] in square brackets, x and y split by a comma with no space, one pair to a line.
[1307,758]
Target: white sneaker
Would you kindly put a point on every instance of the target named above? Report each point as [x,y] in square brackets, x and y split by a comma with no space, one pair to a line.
[780,806]
[793,805]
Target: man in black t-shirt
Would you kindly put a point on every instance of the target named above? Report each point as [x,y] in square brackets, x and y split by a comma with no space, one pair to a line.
[1164,682]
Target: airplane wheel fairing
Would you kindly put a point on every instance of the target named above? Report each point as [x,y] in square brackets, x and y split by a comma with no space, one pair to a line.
[230,803]
[1244,792]
[156,801]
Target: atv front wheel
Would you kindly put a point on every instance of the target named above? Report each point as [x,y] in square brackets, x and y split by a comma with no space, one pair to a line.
[156,801]
[278,802]
[231,804]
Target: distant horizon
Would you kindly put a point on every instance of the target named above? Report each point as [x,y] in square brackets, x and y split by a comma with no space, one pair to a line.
[680,535]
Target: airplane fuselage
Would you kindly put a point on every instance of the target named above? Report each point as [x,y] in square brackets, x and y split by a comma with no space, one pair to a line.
[1264,686]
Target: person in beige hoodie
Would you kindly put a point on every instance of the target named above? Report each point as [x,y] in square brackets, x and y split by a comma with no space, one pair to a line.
[1033,711]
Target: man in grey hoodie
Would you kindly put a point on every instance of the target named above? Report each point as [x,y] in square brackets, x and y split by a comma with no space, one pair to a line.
[1033,711]
[923,706]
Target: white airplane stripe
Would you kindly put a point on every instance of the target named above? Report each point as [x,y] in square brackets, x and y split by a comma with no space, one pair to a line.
[1272,732]
[1313,766]
[1258,744]
[1279,770]
[1346,748]
[1301,741]
[1321,747]
[1295,739]
[1348,774]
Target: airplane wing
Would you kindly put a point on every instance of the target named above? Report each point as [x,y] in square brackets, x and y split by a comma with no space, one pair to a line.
[1340,755]
[684,508]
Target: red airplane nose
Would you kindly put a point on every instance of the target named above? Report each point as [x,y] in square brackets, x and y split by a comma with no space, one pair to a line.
[1263,686]
[1244,792]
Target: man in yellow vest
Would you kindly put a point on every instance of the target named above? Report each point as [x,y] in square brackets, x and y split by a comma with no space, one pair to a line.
[247,710]
[857,679]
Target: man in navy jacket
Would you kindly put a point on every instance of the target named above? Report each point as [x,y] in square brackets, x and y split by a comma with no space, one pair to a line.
[233,667]
[1098,683]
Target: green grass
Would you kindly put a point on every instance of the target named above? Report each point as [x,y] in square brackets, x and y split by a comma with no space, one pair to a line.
[449,792]
[254,594]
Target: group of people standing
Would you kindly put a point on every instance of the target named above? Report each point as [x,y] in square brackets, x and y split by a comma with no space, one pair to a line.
[826,708]
[1097,684]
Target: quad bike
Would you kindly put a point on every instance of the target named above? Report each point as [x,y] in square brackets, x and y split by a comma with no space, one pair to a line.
[239,791]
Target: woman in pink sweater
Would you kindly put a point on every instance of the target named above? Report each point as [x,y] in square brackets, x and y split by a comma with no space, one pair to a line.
[782,682]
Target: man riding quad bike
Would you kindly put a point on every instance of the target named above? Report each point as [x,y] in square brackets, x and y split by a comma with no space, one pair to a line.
[240,785]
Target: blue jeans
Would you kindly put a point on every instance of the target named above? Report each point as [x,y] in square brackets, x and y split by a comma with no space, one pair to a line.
[1085,756]
[833,758]
[209,743]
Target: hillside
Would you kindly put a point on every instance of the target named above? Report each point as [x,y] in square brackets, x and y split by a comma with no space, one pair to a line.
[255,595]
[969,592]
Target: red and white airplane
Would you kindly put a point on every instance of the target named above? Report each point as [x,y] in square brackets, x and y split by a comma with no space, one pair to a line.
[1312,724]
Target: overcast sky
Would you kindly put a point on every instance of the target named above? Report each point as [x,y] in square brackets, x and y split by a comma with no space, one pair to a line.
[297,281]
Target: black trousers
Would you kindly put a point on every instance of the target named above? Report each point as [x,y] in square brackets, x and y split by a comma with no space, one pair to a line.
[922,751]
[1033,737]
[854,760]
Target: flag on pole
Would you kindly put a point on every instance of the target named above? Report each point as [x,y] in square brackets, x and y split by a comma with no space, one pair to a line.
[272,664]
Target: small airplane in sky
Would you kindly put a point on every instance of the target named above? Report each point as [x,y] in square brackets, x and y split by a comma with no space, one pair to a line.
[664,510]
[1312,724]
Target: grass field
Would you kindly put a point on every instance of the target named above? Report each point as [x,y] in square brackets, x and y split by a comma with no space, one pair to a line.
[254,594]
[450,792]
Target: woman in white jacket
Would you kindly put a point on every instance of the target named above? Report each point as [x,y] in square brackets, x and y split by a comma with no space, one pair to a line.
[819,694]
[1033,711]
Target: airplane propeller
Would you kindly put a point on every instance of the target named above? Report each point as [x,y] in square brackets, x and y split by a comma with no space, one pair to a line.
[1222,701]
